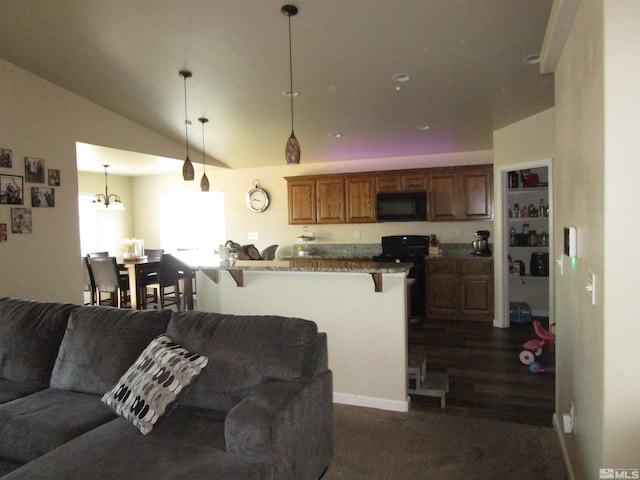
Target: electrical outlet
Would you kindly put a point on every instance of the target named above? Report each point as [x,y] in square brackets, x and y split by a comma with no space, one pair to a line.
[567,420]
[253,236]
[358,234]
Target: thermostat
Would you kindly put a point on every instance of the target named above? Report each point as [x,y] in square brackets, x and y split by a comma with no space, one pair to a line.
[570,241]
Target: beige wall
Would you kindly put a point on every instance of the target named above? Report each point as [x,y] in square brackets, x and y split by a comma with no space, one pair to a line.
[596,171]
[39,119]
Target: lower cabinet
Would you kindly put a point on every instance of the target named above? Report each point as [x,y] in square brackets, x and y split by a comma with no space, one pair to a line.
[459,289]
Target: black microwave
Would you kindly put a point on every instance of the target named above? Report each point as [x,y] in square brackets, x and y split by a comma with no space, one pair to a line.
[401,207]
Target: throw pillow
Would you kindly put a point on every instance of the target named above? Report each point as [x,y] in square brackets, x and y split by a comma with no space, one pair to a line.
[153,382]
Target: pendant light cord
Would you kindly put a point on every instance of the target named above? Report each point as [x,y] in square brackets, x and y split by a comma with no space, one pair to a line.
[186,121]
[290,73]
[204,161]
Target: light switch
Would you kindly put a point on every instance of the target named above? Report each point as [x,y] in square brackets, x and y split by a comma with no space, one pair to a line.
[253,236]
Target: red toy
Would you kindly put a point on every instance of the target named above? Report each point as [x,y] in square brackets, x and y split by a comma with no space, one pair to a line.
[533,348]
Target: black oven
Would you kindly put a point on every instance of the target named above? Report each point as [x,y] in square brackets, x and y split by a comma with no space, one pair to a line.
[413,249]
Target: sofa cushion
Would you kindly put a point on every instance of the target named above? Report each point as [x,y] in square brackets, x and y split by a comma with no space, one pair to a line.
[154,381]
[11,390]
[101,343]
[182,447]
[33,425]
[242,351]
[30,335]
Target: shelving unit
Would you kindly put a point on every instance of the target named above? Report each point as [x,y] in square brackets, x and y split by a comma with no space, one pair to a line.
[528,288]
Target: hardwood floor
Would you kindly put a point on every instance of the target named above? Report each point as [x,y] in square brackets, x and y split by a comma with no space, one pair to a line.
[486,378]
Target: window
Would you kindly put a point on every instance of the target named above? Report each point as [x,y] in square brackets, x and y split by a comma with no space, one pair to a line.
[191,220]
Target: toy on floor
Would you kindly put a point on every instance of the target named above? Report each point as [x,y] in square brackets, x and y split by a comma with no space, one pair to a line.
[537,367]
[533,348]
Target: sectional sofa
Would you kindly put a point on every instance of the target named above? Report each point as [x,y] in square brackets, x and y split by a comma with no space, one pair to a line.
[102,393]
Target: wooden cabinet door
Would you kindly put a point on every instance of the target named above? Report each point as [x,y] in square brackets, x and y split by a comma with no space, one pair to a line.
[477,194]
[442,288]
[442,197]
[414,182]
[477,289]
[360,199]
[330,200]
[389,183]
[302,201]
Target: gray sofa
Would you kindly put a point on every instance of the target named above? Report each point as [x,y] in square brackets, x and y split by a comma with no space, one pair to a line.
[261,408]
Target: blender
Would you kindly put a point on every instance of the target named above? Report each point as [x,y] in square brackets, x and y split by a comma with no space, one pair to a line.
[481,244]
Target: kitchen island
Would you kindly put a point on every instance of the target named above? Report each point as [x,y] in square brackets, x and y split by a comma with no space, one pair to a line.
[360,304]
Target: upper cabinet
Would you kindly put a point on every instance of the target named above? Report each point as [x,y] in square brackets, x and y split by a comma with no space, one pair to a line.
[360,199]
[461,194]
[302,200]
[330,200]
[455,194]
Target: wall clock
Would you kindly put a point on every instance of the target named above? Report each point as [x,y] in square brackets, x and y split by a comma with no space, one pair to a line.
[258,198]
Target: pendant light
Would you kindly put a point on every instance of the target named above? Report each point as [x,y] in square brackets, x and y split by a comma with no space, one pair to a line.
[187,168]
[204,181]
[292,150]
[106,200]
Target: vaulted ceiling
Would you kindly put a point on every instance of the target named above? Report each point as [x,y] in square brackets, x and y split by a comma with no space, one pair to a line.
[464,59]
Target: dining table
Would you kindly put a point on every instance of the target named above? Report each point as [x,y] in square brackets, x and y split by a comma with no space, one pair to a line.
[139,268]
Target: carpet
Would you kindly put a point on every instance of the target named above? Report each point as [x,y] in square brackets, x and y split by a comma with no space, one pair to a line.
[375,444]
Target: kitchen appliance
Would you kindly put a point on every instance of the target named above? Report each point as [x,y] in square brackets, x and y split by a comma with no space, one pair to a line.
[401,207]
[413,249]
[539,264]
[481,244]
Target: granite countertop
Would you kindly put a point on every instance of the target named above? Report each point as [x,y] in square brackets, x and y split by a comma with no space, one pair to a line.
[211,262]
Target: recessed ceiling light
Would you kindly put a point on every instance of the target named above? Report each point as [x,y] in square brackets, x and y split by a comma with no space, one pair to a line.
[401,77]
[532,59]
[289,93]
[335,135]
[422,126]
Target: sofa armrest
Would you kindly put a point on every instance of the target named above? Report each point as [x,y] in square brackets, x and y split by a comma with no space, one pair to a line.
[289,424]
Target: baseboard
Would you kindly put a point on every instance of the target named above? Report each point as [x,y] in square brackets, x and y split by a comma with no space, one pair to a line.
[372,402]
[557,425]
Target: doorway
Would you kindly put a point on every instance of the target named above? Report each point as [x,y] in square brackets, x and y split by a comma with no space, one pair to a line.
[527,240]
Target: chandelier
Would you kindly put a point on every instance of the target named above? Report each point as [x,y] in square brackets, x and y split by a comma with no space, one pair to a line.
[106,199]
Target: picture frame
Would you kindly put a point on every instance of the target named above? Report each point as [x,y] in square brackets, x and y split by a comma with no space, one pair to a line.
[43,197]
[6,158]
[54,177]
[3,232]
[11,190]
[34,170]
[21,220]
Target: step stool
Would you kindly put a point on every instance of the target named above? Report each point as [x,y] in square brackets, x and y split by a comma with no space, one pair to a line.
[428,384]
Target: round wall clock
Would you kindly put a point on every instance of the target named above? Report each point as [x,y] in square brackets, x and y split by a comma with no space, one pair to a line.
[257,198]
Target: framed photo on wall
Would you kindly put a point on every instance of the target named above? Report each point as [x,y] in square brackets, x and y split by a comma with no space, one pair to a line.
[43,197]
[6,158]
[34,169]
[54,177]
[3,232]
[21,220]
[11,189]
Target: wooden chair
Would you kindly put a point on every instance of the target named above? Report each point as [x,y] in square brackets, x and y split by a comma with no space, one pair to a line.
[89,282]
[97,254]
[166,291]
[108,279]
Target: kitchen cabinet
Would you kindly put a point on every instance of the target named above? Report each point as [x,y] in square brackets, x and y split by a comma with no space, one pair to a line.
[360,199]
[330,200]
[461,194]
[455,194]
[528,224]
[459,289]
[409,181]
[302,201]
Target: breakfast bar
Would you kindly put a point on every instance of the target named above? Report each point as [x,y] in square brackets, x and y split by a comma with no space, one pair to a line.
[361,304]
